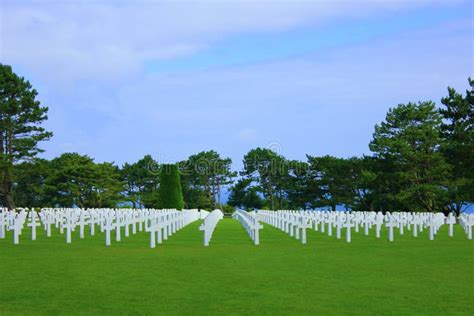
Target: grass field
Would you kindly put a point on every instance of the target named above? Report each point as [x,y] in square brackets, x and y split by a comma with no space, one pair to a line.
[411,276]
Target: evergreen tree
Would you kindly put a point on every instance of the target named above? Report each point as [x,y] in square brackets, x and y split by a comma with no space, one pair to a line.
[141,182]
[170,193]
[20,130]
[458,149]
[30,183]
[413,170]
[76,181]
[204,176]
[243,195]
[269,171]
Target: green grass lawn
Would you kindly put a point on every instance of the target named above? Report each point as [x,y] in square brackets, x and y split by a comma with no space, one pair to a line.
[411,276]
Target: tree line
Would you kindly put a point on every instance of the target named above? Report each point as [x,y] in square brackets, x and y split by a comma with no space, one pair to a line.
[422,160]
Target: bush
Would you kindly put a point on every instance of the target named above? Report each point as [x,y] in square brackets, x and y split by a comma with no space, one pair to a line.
[170,193]
[228,209]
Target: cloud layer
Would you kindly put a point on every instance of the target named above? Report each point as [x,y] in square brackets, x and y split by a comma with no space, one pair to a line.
[89,62]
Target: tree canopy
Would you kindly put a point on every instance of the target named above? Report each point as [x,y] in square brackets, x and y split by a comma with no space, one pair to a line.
[21,116]
[422,159]
[170,194]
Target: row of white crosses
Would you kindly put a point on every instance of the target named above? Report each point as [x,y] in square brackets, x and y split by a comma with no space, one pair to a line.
[209,224]
[293,223]
[417,222]
[251,224]
[467,221]
[11,220]
[296,222]
[163,223]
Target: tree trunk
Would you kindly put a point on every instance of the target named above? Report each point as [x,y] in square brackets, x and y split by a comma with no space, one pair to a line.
[272,202]
[9,201]
[458,208]
[219,194]
[6,190]
[7,196]
[209,195]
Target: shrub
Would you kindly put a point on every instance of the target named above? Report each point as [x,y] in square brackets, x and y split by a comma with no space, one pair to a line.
[228,209]
[170,193]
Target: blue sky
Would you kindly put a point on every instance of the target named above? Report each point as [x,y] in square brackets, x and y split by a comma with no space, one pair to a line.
[170,79]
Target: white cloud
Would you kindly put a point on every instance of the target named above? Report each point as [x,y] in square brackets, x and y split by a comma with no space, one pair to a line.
[324,103]
[64,41]
[87,60]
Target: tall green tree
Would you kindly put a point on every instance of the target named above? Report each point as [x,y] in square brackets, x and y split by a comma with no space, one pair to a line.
[269,171]
[408,143]
[204,176]
[107,186]
[363,183]
[76,181]
[170,193]
[70,183]
[244,195]
[334,177]
[30,183]
[299,195]
[20,132]
[141,182]
[458,147]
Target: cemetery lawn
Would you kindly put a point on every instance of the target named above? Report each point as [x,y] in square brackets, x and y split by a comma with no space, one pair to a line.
[411,276]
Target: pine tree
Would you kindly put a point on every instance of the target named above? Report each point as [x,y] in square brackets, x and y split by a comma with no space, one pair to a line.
[20,130]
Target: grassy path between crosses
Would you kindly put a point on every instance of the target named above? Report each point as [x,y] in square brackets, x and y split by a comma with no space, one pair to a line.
[411,276]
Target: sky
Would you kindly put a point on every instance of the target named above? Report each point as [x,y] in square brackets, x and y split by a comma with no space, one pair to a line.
[123,79]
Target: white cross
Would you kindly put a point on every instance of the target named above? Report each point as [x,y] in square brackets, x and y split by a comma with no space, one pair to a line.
[82,223]
[348,226]
[378,224]
[330,227]
[415,228]
[431,224]
[33,224]
[18,221]
[69,225]
[92,221]
[118,224]
[2,224]
[366,226]
[451,220]
[303,226]
[108,226]
[151,226]
[390,224]
[339,224]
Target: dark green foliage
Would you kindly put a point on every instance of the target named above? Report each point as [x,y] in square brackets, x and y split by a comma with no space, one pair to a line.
[75,180]
[30,183]
[20,130]
[203,176]
[299,191]
[414,170]
[423,161]
[333,177]
[458,146]
[141,182]
[269,172]
[243,195]
[228,209]
[170,193]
